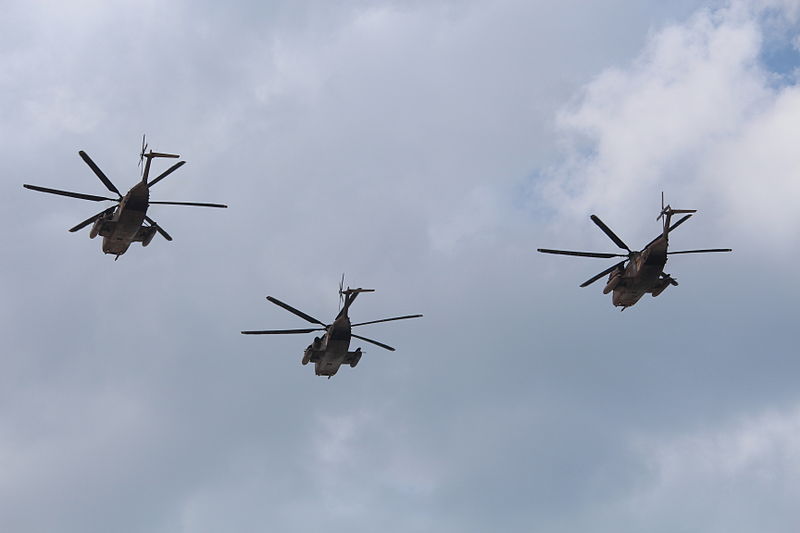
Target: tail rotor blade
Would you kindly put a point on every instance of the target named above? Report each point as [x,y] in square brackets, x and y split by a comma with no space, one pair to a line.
[158,228]
[611,234]
[376,343]
[341,294]
[601,274]
[144,149]
[166,173]
[385,320]
[107,182]
[307,318]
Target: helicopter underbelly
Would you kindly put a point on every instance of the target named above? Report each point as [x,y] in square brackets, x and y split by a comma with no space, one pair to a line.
[626,297]
[125,230]
[631,289]
[333,357]
[114,246]
[327,366]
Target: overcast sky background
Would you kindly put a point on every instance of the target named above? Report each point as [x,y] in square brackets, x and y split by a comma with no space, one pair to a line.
[426,149]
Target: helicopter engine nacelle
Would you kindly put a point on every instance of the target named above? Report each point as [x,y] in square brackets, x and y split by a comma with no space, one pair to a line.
[148,234]
[660,287]
[95,228]
[355,358]
[309,351]
[613,281]
[102,226]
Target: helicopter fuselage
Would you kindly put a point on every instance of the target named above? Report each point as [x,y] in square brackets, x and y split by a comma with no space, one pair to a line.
[125,225]
[332,350]
[643,274]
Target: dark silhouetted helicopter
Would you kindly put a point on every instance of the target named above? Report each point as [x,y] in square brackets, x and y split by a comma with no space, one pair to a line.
[123,223]
[331,350]
[644,271]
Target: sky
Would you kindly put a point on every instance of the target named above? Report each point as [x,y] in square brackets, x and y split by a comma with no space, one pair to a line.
[426,150]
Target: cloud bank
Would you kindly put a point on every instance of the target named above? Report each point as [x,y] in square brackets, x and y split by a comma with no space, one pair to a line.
[425,149]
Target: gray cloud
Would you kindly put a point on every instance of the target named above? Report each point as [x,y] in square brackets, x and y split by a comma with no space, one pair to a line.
[417,147]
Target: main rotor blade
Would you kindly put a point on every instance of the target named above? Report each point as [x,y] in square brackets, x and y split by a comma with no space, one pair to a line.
[601,274]
[158,228]
[80,195]
[581,254]
[307,318]
[679,222]
[376,343]
[166,173]
[281,331]
[611,234]
[385,320]
[196,204]
[93,218]
[672,227]
[701,251]
[107,182]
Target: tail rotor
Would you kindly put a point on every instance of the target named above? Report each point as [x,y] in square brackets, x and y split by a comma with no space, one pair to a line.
[341,292]
[667,212]
[348,296]
[142,152]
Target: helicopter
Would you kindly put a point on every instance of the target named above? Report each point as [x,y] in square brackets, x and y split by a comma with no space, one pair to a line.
[644,272]
[332,349]
[123,223]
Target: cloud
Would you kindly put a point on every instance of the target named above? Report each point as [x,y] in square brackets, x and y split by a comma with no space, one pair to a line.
[700,115]
[733,477]
[391,141]
[697,115]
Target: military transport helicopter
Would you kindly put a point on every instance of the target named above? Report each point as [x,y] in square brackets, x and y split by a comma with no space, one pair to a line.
[123,223]
[644,271]
[331,350]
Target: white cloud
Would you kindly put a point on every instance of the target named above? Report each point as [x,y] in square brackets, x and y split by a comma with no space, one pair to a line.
[697,116]
[737,477]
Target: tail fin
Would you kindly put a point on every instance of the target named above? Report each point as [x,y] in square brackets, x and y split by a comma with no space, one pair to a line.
[149,157]
[667,212]
[349,297]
